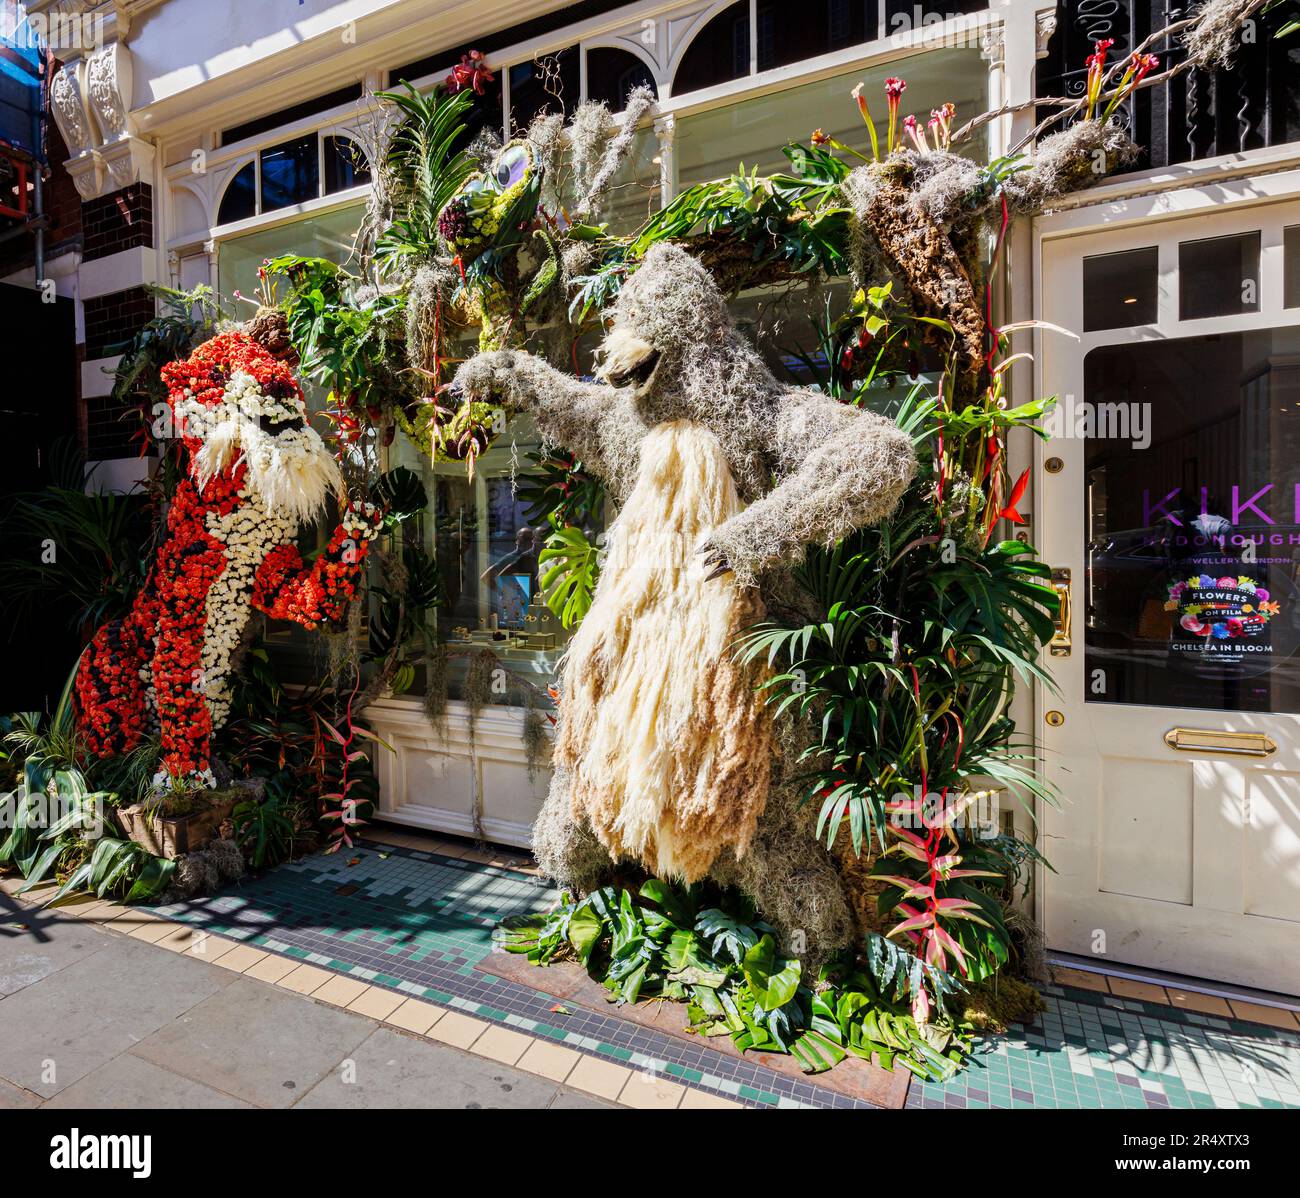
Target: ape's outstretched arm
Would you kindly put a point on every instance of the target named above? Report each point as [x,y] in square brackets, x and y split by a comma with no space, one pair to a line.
[839,468]
[593,421]
[286,589]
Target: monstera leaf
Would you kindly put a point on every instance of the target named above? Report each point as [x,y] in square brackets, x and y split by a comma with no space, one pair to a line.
[571,565]
[401,492]
[773,979]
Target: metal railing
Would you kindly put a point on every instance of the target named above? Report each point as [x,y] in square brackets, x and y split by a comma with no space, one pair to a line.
[1202,113]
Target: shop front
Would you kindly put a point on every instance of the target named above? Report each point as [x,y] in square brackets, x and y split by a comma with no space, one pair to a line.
[1166,499]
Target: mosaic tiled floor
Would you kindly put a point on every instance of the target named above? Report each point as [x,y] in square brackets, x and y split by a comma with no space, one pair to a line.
[418,922]
[1094,1050]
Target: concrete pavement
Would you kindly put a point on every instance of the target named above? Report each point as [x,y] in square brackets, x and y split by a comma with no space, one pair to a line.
[94,1019]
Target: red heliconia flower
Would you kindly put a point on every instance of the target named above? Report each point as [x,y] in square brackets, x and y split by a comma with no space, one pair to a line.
[1017,494]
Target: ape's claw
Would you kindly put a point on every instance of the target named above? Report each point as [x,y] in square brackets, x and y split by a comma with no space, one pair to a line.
[715,558]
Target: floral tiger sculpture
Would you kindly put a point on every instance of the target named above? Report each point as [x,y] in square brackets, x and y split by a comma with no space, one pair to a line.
[258,473]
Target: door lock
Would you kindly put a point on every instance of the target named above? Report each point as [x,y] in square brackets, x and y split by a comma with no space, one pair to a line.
[1060,644]
[1054,719]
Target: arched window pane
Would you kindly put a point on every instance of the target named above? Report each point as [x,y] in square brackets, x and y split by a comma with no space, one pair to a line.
[719,53]
[240,199]
[290,173]
[612,74]
[792,32]
[345,164]
[548,83]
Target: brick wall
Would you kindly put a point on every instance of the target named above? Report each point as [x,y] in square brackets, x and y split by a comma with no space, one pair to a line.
[118,221]
[114,318]
[121,220]
[109,429]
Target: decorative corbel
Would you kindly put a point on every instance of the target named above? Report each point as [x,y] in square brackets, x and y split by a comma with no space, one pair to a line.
[1045,23]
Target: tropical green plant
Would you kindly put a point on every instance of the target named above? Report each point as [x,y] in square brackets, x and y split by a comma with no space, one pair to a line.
[570,569]
[424,167]
[73,549]
[343,333]
[706,947]
[264,829]
[750,229]
[57,822]
[925,623]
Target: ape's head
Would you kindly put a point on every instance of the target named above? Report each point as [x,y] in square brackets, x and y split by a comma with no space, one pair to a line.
[667,315]
[232,402]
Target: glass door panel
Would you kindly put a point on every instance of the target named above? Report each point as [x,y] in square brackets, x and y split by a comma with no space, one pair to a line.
[1192,500]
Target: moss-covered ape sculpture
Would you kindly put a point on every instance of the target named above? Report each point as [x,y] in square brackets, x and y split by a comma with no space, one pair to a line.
[665,753]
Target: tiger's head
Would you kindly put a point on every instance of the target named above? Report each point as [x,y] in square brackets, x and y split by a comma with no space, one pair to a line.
[232,402]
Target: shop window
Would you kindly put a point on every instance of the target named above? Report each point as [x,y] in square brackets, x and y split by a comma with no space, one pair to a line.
[1120,290]
[712,144]
[612,74]
[719,52]
[1291,267]
[290,173]
[345,164]
[547,83]
[486,537]
[1218,276]
[240,198]
[1190,501]
[328,235]
[792,32]
[635,194]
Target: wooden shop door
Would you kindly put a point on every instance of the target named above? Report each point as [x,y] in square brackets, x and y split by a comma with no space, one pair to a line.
[1169,505]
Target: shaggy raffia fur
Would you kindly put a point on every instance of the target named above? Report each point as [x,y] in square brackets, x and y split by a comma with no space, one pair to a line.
[665,736]
[810,471]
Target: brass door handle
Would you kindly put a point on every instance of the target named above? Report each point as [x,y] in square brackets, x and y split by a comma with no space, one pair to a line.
[1210,740]
[1060,644]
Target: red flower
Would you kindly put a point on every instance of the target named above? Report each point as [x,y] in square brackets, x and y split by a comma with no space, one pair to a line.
[471,71]
[1017,494]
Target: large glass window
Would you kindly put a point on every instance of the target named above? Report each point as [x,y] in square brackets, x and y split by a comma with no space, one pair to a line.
[486,538]
[330,235]
[712,144]
[1192,495]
